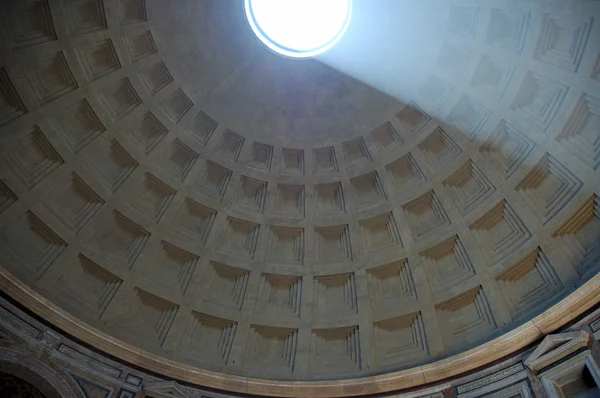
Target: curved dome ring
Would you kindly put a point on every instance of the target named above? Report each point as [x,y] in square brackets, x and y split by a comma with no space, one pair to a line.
[299,28]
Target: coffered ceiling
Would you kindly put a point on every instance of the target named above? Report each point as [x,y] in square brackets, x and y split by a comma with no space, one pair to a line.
[428,185]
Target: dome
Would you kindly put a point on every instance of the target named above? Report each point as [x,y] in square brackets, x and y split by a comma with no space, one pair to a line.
[426,186]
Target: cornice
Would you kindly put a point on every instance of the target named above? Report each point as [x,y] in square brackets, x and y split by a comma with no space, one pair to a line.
[584,298]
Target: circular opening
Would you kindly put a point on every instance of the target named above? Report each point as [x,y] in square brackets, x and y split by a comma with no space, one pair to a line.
[299,28]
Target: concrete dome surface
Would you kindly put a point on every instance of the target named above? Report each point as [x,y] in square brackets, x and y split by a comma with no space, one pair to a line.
[428,185]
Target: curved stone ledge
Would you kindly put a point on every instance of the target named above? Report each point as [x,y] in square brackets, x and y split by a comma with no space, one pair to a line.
[580,301]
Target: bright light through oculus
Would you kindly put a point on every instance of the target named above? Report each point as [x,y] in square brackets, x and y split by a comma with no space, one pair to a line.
[299,28]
